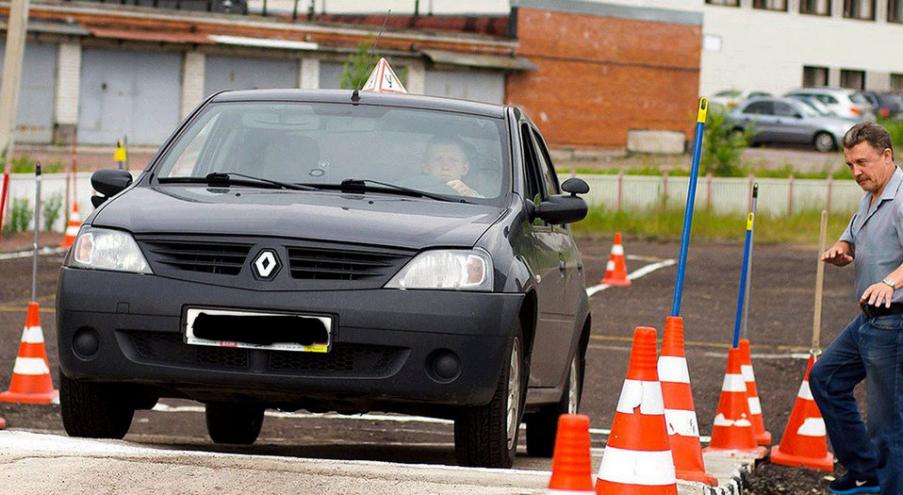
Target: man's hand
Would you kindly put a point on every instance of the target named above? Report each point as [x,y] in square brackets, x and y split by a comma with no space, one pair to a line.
[839,254]
[877,294]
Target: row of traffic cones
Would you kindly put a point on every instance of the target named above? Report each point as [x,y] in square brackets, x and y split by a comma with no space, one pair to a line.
[654,438]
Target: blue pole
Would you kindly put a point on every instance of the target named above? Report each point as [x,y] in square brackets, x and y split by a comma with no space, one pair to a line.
[688,211]
[750,222]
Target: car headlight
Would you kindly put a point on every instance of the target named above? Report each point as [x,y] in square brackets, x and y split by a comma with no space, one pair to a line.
[105,249]
[446,269]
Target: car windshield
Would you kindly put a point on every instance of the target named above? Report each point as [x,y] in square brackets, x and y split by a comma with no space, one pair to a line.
[732,93]
[323,144]
[859,98]
[809,109]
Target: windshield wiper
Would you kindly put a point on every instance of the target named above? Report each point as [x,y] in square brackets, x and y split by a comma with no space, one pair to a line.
[360,186]
[226,179]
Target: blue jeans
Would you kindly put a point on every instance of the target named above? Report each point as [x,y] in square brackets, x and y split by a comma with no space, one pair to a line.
[868,349]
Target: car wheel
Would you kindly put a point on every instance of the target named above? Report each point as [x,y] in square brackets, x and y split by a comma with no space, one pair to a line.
[486,436]
[824,142]
[233,423]
[542,426]
[94,410]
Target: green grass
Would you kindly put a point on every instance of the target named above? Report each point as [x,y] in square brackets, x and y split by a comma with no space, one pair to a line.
[25,165]
[666,224]
[838,173]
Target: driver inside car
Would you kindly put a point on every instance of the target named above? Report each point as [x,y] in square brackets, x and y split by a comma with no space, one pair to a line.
[447,160]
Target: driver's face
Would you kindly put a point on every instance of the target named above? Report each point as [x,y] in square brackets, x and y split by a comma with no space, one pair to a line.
[446,161]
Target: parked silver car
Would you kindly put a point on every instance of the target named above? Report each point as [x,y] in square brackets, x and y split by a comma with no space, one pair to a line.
[847,103]
[788,121]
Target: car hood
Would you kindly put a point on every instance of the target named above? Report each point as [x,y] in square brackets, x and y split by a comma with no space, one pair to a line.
[373,218]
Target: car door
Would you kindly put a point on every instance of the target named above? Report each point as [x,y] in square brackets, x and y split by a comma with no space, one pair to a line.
[790,124]
[547,262]
[759,116]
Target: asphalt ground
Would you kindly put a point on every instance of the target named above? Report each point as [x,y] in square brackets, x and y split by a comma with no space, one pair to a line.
[780,329]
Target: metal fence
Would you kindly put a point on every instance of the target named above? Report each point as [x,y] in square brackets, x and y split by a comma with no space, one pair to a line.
[722,194]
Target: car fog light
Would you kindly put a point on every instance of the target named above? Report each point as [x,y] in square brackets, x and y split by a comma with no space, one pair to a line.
[86,342]
[444,365]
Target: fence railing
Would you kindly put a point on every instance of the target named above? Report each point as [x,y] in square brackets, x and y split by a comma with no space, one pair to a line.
[627,192]
[722,194]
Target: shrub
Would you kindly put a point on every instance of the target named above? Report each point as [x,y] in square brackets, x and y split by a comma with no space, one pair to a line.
[722,148]
[51,211]
[20,215]
[358,66]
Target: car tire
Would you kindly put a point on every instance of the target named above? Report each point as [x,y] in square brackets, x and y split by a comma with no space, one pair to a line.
[824,142]
[233,423]
[94,410]
[542,425]
[486,436]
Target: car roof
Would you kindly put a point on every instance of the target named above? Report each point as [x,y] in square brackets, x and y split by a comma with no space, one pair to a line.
[366,98]
[824,90]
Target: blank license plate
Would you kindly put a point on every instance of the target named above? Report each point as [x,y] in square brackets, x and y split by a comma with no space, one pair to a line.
[255,330]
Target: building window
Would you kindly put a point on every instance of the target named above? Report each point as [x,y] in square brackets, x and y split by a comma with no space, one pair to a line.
[815,7]
[859,9]
[814,77]
[895,10]
[780,5]
[896,81]
[852,79]
[728,3]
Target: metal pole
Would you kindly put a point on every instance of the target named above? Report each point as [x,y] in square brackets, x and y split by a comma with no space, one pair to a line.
[750,222]
[819,282]
[9,91]
[37,228]
[752,244]
[688,211]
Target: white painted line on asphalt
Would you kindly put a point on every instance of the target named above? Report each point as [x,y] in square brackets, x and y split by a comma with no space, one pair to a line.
[29,253]
[792,355]
[642,272]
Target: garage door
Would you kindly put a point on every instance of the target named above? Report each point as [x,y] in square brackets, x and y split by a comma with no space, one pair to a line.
[249,73]
[34,114]
[125,93]
[485,86]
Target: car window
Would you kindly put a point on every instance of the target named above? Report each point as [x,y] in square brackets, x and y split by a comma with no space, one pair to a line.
[782,109]
[859,98]
[545,165]
[827,99]
[326,143]
[756,94]
[531,172]
[728,92]
[760,108]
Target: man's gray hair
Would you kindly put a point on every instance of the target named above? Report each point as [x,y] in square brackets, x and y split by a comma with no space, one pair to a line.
[875,135]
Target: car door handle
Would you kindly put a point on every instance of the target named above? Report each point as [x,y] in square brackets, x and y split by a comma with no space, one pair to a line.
[562,265]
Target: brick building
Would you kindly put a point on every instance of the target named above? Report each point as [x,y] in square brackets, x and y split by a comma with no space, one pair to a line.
[587,72]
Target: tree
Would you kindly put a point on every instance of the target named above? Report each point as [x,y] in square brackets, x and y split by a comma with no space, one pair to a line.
[358,66]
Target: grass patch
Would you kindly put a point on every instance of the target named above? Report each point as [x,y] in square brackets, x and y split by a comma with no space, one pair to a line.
[25,165]
[837,173]
[665,224]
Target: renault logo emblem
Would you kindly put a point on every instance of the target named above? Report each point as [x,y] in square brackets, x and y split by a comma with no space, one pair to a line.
[266,264]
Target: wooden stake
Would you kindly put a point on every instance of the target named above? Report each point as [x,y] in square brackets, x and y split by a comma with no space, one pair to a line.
[819,281]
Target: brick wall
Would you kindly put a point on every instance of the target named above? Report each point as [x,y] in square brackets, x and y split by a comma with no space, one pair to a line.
[599,76]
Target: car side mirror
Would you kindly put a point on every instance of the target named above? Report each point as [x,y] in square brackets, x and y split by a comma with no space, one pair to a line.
[109,183]
[575,186]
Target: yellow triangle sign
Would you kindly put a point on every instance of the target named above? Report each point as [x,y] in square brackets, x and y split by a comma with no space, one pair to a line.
[384,80]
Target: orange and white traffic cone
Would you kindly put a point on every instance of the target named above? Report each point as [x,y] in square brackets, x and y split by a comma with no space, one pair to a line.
[680,411]
[763,436]
[805,442]
[2,424]
[732,431]
[31,382]
[637,458]
[75,223]
[616,269]
[572,471]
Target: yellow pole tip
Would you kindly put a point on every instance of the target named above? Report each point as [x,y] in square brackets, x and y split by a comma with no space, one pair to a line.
[703,109]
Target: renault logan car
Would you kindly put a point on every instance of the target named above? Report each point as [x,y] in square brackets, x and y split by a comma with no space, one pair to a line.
[332,251]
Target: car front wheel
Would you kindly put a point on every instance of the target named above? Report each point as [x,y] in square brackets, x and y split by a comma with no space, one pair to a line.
[542,425]
[94,410]
[234,423]
[486,436]
[824,142]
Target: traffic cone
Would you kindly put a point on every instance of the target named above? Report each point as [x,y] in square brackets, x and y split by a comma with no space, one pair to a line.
[616,269]
[763,437]
[680,412]
[31,382]
[75,223]
[2,424]
[572,471]
[637,458]
[804,442]
[732,430]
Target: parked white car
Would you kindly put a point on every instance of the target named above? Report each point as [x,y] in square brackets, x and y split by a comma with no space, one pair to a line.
[845,103]
[730,98]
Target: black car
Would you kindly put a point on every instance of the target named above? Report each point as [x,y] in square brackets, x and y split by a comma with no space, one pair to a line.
[332,250]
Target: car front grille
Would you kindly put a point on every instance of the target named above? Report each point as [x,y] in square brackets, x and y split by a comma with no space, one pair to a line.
[344,359]
[336,264]
[209,257]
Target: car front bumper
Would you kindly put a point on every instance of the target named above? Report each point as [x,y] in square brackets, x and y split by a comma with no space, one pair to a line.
[384,343]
